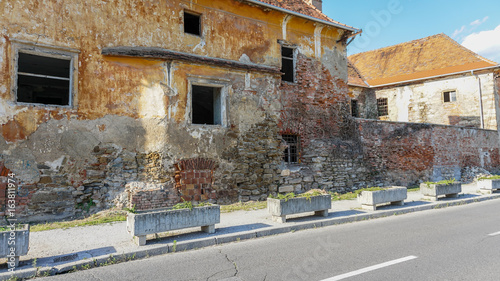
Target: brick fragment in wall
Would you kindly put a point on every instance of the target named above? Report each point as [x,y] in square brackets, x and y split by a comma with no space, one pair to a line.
[316,106]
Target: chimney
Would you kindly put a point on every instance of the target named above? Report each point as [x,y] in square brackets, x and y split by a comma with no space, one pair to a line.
[318,4]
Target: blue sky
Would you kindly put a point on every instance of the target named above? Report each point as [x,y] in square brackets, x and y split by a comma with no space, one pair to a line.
[474,24]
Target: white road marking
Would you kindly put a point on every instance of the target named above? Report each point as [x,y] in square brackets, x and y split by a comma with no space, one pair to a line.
[494,234]
[370,268]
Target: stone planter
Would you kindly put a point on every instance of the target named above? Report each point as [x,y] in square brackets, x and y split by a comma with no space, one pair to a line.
[394,195]
[156,221]
[432,191]
[14,244]
[488,185]
[279,209]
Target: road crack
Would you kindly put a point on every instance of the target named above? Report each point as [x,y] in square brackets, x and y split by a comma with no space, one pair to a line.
[230,261]
[233,262]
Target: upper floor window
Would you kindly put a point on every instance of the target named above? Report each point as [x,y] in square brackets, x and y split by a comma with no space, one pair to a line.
[449,96]
[288,64]
[43,76]
[382,107]
[192,23]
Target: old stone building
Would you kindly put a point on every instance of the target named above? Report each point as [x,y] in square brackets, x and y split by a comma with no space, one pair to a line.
[147,102]
[363,100]
[429,80]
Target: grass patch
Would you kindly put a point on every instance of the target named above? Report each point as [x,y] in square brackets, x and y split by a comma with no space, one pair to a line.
[352,195]
[99,218]
[449,181]
[492,177]
[189,205]
[413,189]
[308,195]
[243,206]
[345,196]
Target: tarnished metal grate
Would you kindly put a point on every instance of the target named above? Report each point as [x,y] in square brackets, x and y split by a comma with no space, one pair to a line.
[291,154]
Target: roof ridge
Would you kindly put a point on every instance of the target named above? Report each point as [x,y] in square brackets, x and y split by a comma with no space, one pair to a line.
[468,50]
[406,42]
[432,55]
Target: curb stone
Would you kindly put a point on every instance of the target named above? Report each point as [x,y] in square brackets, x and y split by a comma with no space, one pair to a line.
[228,238]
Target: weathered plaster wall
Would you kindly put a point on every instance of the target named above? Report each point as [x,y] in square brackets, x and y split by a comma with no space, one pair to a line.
[367,102]
[129,125]
[423,102]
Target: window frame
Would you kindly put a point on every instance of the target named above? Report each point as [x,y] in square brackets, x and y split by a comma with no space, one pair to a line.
[293,59]
[384,109]
[354,108]
[450,100]
[222,85]
[287,154]
[42,50]
[200,25]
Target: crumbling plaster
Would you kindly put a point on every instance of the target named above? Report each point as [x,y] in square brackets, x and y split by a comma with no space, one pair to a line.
[423,101]
[130,120]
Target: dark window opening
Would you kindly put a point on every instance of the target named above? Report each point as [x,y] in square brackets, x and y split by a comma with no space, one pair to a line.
[354,108]
[192,23]
[206,105]
[43,80]
[450,96]
[291,153]
[382,107]
[287,62]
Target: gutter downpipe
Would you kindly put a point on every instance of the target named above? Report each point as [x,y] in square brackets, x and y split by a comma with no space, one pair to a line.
[481,116]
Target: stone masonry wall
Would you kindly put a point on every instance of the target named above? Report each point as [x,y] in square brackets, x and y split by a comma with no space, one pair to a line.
[147,196]
[408,153]
[258,163]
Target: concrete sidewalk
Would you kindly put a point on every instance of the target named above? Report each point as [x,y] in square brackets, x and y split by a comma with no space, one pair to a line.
[62,250]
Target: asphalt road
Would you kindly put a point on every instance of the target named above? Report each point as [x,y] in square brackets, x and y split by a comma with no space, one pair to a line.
[456,243]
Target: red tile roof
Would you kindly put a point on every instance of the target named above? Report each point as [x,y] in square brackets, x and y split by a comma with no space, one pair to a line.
[355,78]
[303,7]
[422,58]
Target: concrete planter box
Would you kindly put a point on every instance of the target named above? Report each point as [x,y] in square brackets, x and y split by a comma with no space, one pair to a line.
[432,191]
[156,221]
[13,251]
[317,204]
[488,185]
[394,195]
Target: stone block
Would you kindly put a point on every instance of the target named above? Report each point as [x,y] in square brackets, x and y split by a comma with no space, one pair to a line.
[432,191]
[488,185]
[21,246]
[143,223]
[285,173]
[280,208]
[286,188]
[370,199]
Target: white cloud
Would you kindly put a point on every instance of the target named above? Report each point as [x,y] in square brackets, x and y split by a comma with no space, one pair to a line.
[479,21]
[485,43]
[458,31]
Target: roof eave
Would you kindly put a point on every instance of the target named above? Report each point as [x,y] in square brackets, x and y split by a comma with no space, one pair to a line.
[345,27]
[436,76]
